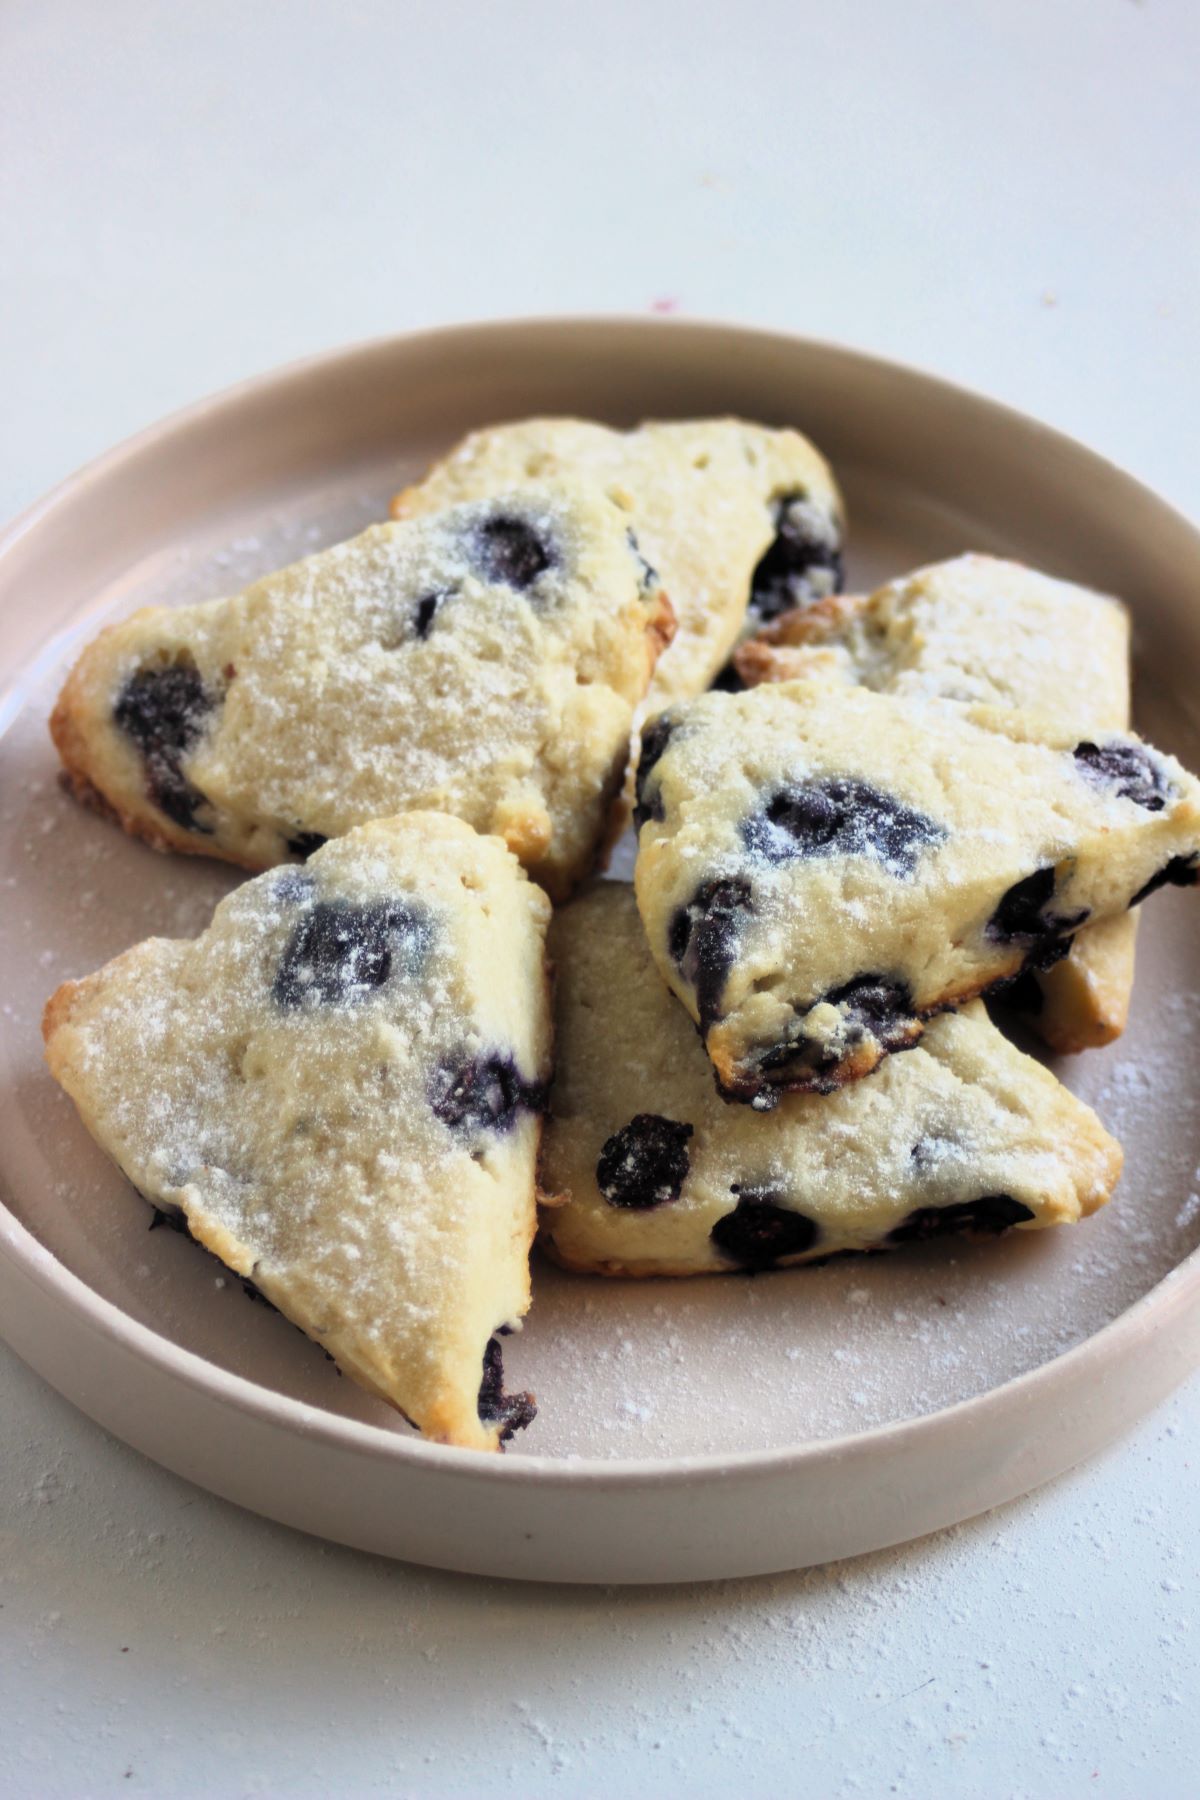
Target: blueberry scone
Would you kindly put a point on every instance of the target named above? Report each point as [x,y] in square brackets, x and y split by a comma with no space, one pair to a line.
[655,1175]
[485,662]
[978,628]
[338,1089]
[728,513]
[820,868]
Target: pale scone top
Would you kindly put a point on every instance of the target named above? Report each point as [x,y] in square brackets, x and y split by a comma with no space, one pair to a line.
[339,1086]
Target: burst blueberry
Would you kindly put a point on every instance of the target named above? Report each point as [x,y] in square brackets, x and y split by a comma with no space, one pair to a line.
[988,1216]
[339,954]
[802,562]
[760,1231]
[164,712]
[838,815]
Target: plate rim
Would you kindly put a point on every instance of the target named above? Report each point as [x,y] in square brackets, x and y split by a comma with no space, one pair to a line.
[18,1245]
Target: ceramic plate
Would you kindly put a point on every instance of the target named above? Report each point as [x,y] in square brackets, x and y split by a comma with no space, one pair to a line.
[708,1428]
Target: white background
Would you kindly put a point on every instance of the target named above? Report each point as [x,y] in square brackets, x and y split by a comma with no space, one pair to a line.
[1003,190]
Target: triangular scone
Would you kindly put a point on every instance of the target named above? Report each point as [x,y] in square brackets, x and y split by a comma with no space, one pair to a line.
[978,628]
[727,512]
[653,1174]
[821,867]
[485,662]
[339,1086]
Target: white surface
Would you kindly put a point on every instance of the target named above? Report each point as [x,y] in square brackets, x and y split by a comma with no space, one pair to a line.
[1003,191]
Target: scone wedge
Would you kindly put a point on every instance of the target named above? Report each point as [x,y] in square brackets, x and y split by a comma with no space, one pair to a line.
[986,630]
[731,514]
[486,662]
[338,1088]
[821,868]
[653,1174]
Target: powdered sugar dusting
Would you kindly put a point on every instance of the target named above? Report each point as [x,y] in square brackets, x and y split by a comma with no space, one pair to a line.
[621,1369]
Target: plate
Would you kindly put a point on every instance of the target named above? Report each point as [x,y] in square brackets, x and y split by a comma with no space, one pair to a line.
[718,1427]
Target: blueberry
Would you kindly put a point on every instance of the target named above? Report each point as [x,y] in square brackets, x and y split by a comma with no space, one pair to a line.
[1019,913]
[870,1004]
[508,549]
[305,842]
[991,1215]
[1181,871]
[427,609]
[655,738]
[482,1093]
[801,564]
[702,939]
[1128,769]
[512,1412]
[645,1164]
[759,1231]
[875,1004]
[1021,918]
[839,815]
[164,712]
[340,954]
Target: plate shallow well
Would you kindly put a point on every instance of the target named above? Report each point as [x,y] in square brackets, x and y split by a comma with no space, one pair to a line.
[686,1430]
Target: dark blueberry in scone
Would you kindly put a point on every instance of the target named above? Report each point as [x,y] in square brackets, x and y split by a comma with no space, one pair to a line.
[1129,770]
[340,953]
[803,562]
[164,712]
[875,1004]
[427,609]
[841,816]
[759,1232]
[305,842]
[512,1412]
[655,738]
[870,1006]
[703,939]
[1181,871]
[988,1216]
[1021,917]
[482,1093]
[644,1164]
[508,549]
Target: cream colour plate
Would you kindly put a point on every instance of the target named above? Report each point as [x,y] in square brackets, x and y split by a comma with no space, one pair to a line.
[713,1428]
